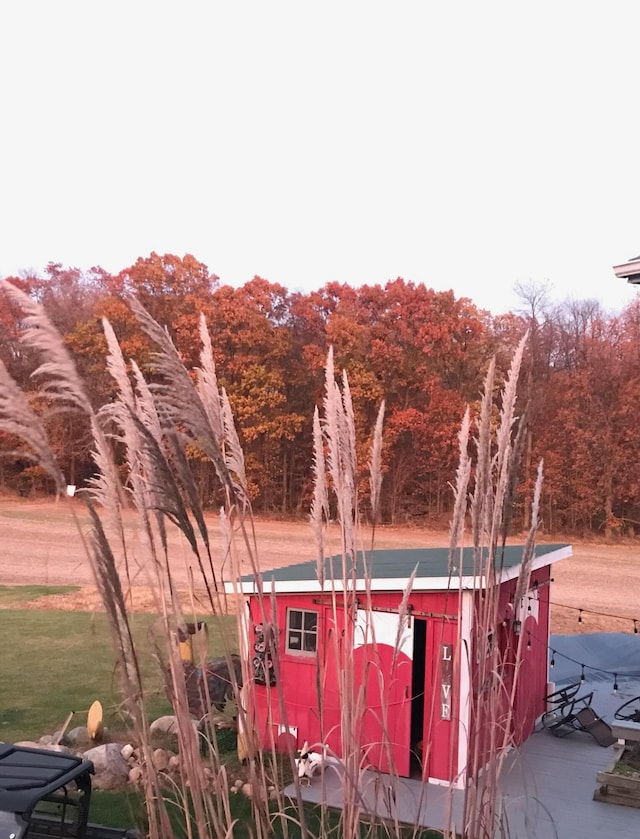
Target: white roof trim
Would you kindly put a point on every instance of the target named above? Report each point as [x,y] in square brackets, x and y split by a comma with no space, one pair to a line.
[388,583]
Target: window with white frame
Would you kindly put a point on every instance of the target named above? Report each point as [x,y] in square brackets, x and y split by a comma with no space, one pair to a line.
[302,631]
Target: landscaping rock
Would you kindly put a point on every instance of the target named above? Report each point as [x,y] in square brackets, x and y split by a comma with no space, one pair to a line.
[127,751]
[164,725]
[160,759]
[135,775]
[112,770]
[168,725]
[247,790]
[220,679]
[58,747]
[77,738]
[219,683]
[31,744]
[220,721]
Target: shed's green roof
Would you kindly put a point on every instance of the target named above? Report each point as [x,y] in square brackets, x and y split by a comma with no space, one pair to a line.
[400,563]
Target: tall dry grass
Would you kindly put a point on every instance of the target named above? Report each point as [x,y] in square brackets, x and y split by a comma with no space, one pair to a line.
[150,427]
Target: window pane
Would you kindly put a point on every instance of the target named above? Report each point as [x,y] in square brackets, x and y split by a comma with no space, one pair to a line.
[310,642]
[295,619]
[310,620]
[295,640]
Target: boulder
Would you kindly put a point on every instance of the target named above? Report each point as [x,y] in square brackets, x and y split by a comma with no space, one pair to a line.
[168,725]
[135,775]
[220,679]
[58,747]
[77,738]
[112,770]
[50,747]
[220,674]
[160,759]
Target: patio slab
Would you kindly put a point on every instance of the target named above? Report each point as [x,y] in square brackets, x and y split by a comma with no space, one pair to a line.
[547,788]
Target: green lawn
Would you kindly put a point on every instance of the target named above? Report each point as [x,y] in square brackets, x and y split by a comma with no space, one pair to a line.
[57,662]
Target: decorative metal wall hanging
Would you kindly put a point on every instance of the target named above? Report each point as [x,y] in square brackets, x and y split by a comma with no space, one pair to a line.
[263,671]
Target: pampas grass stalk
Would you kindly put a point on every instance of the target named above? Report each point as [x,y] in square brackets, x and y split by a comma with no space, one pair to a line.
[58,374]
[375,471]
[460,500]
[338,440]
[62,383]
[18,418]
[490,514]
[152,424]
[139,418]
[320,502]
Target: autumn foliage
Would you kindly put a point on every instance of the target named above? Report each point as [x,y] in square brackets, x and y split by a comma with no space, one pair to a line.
[425,353]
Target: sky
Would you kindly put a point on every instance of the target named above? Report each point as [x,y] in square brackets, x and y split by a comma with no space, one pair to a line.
[467,146]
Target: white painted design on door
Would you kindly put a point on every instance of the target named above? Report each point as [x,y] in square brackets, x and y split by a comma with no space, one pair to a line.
[384,628]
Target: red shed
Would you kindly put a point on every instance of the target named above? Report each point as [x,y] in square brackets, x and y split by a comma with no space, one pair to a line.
[418,661]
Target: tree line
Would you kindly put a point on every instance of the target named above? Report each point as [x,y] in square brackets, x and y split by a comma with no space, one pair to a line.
[425,353]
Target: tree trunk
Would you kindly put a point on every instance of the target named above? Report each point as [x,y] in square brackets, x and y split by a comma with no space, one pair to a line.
[285,476]
[526,518]
[608,504]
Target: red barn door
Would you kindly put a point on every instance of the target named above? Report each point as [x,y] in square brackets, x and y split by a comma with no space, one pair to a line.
[383,658]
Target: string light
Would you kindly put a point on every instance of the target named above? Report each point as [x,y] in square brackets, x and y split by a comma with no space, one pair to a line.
[529,641]
[575,661]
[615,683]
[582,610]
[582,676]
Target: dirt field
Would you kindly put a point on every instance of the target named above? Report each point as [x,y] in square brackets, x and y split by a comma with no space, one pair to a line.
[40,543]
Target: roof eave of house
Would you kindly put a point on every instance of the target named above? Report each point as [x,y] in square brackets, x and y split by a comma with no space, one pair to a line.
[629,271]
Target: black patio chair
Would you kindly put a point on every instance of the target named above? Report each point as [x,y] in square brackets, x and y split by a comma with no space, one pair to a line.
[568,712]
[630,711]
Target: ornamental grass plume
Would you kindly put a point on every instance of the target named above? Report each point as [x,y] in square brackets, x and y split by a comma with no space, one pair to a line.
[20,420]
[375,471]
[150,428]
[489,508]
[146,429]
